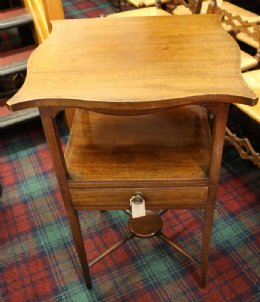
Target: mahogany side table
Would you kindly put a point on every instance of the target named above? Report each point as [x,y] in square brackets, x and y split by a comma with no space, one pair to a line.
[142,88]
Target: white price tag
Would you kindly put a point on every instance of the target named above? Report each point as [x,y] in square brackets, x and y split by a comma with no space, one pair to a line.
[138,208]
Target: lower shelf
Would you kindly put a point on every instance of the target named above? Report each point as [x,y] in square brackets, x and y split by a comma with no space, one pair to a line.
[162,146]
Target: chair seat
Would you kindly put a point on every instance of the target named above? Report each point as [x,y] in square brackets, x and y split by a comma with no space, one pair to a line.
[183,10]
[239,11]
[142,3]
[146,11]
[145,3]
[243,37]
[252,78]
[232,9]
[204,7]
[242,22]
[247,61]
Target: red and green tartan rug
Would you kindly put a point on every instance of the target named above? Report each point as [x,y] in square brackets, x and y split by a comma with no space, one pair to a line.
[38,261]
[87,8]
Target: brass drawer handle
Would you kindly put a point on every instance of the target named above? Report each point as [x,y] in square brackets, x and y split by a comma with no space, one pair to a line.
[137,198]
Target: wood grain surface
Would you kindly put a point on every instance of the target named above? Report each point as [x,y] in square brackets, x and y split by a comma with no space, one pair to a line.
[134,64]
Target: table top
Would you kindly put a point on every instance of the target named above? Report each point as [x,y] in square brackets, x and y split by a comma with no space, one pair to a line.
[134,63]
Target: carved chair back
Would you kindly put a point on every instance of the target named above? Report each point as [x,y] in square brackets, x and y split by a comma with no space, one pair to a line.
[193,5]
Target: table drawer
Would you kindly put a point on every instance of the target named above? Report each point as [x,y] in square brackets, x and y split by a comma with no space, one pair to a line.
[156,198]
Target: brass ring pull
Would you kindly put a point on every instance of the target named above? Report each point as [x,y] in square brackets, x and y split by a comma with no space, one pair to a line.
[137,198]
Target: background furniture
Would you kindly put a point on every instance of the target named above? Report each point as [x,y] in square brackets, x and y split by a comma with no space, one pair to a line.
[18,40]
[180,7]
[244,26]
[146,11]
[43,11]
[243,145]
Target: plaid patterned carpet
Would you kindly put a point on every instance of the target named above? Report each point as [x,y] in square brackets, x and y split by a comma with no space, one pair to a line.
[38,260]
[89,9]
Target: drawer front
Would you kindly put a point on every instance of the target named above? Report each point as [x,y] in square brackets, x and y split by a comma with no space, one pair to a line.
[155,198]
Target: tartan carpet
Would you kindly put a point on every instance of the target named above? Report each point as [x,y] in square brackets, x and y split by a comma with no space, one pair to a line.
[39,261]
[87,9]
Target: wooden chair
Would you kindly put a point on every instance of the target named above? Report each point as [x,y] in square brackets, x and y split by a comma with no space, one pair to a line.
[239,23]
[234,15]
[209,6]
[181,7]
[149,3]
[249,34]
[243,145]
[239,11]
[187,7]
[146,11]
[43,11]
[245,32]
[231,9]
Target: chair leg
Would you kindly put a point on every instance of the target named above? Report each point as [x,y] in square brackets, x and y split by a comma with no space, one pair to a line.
[207,229]
[79,243]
